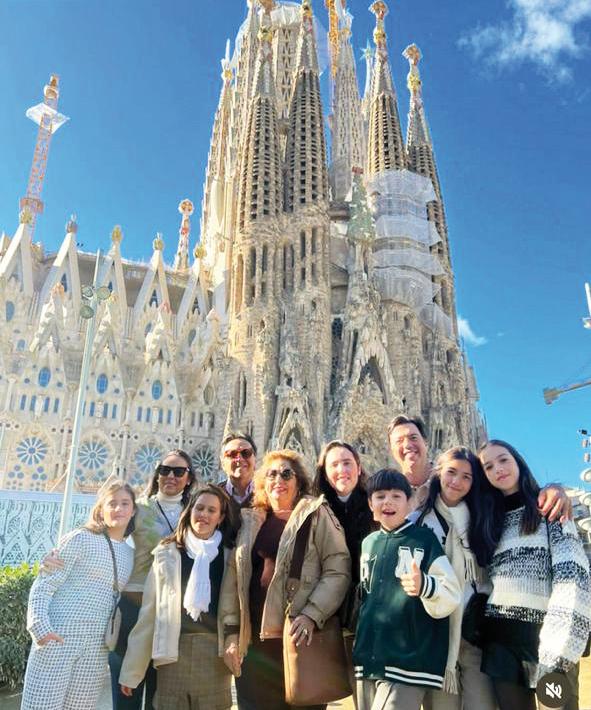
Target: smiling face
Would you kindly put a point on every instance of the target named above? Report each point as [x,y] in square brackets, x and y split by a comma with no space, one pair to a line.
[409,450]
[206,515]
[500,468]
[389,508]
[342,470]
[281,493]
[238,461]
[456,480]
[170,485]
[117,510]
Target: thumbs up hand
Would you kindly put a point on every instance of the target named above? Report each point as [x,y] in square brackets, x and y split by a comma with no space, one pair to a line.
[412,581]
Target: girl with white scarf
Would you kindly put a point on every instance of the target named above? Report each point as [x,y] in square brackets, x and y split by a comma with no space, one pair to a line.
[178,626]
[447,512]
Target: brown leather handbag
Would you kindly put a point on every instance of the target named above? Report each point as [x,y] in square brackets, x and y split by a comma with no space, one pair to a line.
[316,674]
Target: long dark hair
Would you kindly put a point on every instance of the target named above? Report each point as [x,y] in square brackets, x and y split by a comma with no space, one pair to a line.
[228,527]
[491,511]
[152,487]
[472,497]
[321,484]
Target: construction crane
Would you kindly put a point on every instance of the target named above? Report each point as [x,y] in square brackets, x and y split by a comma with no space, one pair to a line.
[551,394]
[46,116]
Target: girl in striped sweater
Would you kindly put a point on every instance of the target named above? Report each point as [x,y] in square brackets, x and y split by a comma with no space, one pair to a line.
[540,606]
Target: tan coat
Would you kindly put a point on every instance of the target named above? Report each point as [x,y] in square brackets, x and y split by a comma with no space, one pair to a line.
[158,628]
[326,572]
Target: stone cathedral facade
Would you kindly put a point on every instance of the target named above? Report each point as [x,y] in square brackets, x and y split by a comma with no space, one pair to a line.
[318,302]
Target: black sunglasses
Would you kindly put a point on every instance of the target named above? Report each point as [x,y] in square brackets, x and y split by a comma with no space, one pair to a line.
[177,471]
[285,474]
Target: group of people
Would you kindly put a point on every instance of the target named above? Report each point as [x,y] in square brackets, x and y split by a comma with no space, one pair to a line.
[457,585]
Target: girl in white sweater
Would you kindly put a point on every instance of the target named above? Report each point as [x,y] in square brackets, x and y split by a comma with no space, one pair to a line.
[69,609]
[449,512]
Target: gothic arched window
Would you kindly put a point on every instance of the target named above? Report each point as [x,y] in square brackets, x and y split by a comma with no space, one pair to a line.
[156,389]
[102,383]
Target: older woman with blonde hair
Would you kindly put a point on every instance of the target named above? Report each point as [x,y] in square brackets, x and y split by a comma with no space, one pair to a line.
[264,549]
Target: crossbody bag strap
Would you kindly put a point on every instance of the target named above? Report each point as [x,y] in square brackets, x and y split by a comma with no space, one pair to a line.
[297,560]
[165,516]
[115,576]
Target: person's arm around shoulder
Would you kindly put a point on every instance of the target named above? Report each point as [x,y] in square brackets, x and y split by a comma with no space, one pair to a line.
[335,561]
[567,623]
[140,641]
[70,551]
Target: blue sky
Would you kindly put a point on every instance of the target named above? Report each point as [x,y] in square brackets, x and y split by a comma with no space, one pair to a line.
[508,98]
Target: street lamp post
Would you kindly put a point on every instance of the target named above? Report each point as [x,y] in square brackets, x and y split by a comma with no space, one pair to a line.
[92,296]
[585,523]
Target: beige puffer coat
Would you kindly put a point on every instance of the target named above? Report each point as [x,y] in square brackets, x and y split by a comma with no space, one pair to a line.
[326,572]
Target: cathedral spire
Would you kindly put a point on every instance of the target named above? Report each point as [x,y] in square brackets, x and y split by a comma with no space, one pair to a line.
[244,61]
[348,136]
[181,260]
[367,54]
[307,177]
[386,148]
[418,130]
[260,173]
[421,159]
[218,160]
[419,145]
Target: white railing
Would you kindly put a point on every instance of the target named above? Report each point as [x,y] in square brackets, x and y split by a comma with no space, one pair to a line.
[29,523]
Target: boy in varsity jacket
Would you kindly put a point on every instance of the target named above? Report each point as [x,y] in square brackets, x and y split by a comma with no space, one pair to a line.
[408,590]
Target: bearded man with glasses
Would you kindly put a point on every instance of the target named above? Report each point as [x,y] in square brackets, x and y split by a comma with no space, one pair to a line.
[238,457]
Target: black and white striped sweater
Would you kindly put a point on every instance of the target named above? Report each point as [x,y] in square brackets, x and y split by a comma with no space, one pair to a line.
[544,578]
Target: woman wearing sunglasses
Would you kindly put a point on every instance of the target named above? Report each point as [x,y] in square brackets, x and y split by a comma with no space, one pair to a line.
[159,510]
[264,548]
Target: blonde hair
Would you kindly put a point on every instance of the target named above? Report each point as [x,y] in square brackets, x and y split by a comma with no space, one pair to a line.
[95,522]
[260,498]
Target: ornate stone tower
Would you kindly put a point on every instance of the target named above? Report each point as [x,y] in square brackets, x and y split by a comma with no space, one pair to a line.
[305,292]
[385,145]
[254,311]
[308,311]
[348,133]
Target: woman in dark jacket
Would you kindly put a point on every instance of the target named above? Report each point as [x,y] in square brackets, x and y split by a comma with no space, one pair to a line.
[341,478]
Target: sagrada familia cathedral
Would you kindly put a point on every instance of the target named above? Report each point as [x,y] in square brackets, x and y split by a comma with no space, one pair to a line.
[318,302]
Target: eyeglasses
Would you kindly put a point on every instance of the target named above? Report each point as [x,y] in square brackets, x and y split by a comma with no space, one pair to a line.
[177,471]
[232,453]
[285,474]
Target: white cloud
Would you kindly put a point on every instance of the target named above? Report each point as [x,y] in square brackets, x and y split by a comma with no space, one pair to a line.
[546,33]
[468,335]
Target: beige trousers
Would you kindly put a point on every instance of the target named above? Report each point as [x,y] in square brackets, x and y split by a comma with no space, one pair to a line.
[384,695]
[476,690]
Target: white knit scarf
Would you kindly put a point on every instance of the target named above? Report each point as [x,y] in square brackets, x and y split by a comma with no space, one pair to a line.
[203,552]
[463,562]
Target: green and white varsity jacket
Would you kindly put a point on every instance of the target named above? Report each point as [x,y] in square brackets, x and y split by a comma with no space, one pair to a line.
[400,638]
